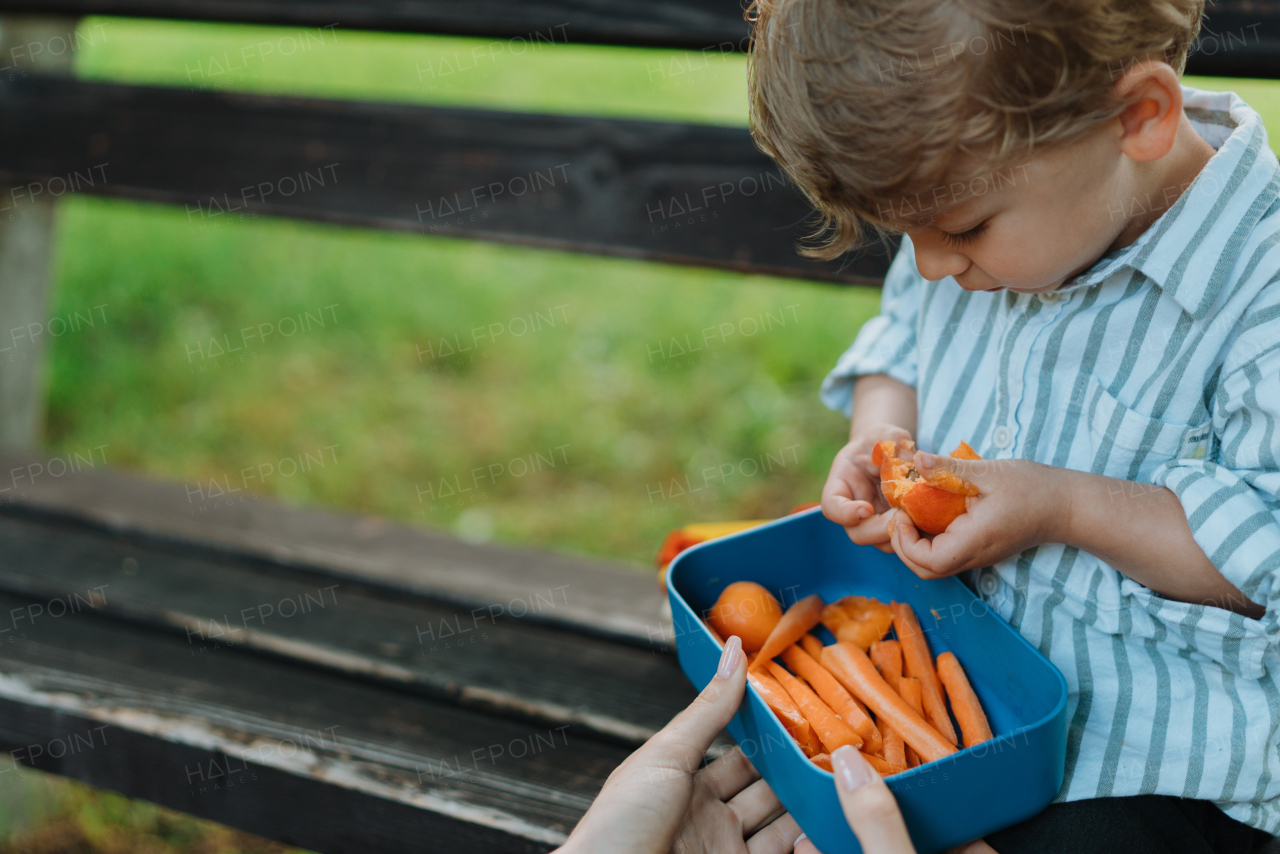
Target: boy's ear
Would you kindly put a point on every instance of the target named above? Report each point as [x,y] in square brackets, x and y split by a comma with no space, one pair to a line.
[1149,124]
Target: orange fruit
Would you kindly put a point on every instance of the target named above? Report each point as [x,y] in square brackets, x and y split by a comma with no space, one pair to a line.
[869,621]
[858,619]
[748,610]
[933,503]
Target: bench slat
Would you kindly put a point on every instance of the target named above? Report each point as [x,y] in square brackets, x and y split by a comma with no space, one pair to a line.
[660,191]
[609,600]
[693,24]
[1239,38]
[477,657]
[314,759]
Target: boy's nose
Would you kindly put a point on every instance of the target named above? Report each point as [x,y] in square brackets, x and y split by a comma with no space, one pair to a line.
[935,260]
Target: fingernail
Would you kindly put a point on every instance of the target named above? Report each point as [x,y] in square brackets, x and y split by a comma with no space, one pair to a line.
[864,512]
[729,658]
[852,771]
[801,838]
[928,460]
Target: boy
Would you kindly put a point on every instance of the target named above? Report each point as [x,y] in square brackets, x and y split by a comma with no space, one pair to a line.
[1086,292]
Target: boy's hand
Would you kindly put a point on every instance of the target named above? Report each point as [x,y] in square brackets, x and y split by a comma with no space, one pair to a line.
[1022,504]
[852,497]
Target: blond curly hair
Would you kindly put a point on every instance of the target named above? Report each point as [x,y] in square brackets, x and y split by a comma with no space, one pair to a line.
[867,102]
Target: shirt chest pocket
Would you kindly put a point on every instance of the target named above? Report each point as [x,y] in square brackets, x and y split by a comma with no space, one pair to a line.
[1130,445]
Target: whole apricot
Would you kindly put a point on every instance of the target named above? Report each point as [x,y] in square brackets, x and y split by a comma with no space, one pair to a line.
[748,610]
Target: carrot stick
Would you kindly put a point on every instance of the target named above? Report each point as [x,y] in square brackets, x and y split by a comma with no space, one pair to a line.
[854,670]
[886,769]
[909,688]
[811,745]
[833,731]
[894,748]
[973,722]
[823,761]
[795,624]
[780,702]
[834,695]
[887,657]
[812,645]
[919,663]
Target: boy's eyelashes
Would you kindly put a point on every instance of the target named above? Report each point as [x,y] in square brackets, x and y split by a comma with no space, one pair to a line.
[964,238]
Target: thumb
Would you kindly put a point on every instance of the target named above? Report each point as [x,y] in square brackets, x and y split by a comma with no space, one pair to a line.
[868,805]
[979,473]
[693,730]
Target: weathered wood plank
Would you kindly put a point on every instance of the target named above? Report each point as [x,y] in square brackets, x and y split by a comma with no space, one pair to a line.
[477,658]
[693,24]
[1238,38]
[25,243]
[609,600]
[313,759]
[677,193]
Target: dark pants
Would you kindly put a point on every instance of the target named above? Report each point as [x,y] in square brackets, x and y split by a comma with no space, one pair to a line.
[1146,824]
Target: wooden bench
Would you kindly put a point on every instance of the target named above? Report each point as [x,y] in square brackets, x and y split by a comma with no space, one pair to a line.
[337,683]
[333,682]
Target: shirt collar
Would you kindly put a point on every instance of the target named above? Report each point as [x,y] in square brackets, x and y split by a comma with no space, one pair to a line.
[1183,249]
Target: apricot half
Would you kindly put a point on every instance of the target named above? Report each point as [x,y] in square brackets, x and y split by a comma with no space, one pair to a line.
[934,502]
[858,619]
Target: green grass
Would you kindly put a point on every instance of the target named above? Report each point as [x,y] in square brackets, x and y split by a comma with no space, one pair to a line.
[568,352]
[43,814]
[597,392]
[541,74]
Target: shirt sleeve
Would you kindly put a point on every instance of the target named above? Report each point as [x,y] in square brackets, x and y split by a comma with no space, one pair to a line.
[1232,496]
[886,344]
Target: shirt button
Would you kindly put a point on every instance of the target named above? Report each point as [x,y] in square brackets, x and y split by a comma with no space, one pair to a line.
[1052,296]
[1003,438]
[988,582]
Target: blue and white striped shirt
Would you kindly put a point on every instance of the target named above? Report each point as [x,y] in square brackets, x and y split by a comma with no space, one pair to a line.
[1160,364]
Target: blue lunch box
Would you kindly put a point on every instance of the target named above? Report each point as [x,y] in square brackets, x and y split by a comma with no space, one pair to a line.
[977,790]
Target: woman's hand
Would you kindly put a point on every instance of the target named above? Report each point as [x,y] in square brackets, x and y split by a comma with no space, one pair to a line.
[1021,504]
[852,497]
[872,811]
[660,800]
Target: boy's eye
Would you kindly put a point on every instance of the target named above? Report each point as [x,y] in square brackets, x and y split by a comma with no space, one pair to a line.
[965,237]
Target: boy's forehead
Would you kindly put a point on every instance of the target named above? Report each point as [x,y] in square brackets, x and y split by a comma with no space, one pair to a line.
[909,216]
[950,202]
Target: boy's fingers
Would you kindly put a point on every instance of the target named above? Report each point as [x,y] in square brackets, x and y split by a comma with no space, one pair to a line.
[852,480]
[846,512]
[977,472]
[946,554]
[871,531]
[847,500]
[914,550]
